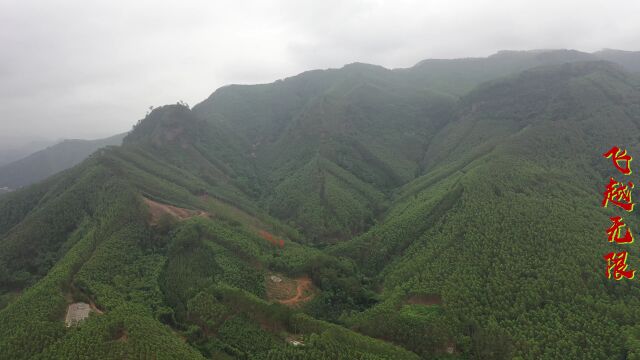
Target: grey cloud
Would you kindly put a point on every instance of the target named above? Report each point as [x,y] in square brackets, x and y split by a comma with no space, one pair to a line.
[75,68]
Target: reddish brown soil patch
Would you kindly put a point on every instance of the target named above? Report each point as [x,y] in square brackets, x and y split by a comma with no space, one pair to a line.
[157,210]
[429,299]
[271,239]
[303,292]
[290,292]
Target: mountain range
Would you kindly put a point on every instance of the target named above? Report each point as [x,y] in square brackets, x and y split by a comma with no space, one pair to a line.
[448,210]
[44,163]
[13,148]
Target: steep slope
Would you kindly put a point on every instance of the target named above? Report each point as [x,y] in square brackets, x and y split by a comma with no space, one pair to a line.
[373,123]
[51,160]
[413,224]
[505,230]
[162,287]
[328,157]
[459,76]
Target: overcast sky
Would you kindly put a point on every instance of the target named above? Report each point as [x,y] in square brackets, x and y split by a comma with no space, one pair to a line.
[88,69]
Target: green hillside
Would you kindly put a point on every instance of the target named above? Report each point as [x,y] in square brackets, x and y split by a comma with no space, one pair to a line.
[354,213]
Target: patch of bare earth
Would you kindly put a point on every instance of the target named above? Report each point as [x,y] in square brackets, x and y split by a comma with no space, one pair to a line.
[290,292]
[295,340]
[428,299]
[157,210]
[76,313]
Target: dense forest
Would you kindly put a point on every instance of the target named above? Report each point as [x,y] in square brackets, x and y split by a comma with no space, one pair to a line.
[451,210]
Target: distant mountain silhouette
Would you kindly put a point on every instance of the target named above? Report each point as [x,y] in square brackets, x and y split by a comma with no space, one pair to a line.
[55,158]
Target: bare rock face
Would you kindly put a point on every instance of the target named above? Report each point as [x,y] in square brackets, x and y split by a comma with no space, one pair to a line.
[77,312]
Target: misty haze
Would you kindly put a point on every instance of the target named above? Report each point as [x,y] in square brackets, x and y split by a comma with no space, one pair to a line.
[319,180]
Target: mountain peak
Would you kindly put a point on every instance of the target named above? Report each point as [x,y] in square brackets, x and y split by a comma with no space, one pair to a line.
[363,66]
[165,125]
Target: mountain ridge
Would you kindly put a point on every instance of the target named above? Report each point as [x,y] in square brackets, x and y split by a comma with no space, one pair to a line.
[51,160]
[430,225]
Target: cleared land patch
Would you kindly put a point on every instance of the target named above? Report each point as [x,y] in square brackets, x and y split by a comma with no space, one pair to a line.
[77,312]
[428,299]
[288,291]
[157,210]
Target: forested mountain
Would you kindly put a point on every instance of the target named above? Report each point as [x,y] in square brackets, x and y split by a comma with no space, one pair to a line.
[449,210]
[628,59]
[44,163]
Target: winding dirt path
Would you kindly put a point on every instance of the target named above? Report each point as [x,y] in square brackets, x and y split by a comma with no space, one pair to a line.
[302,284]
